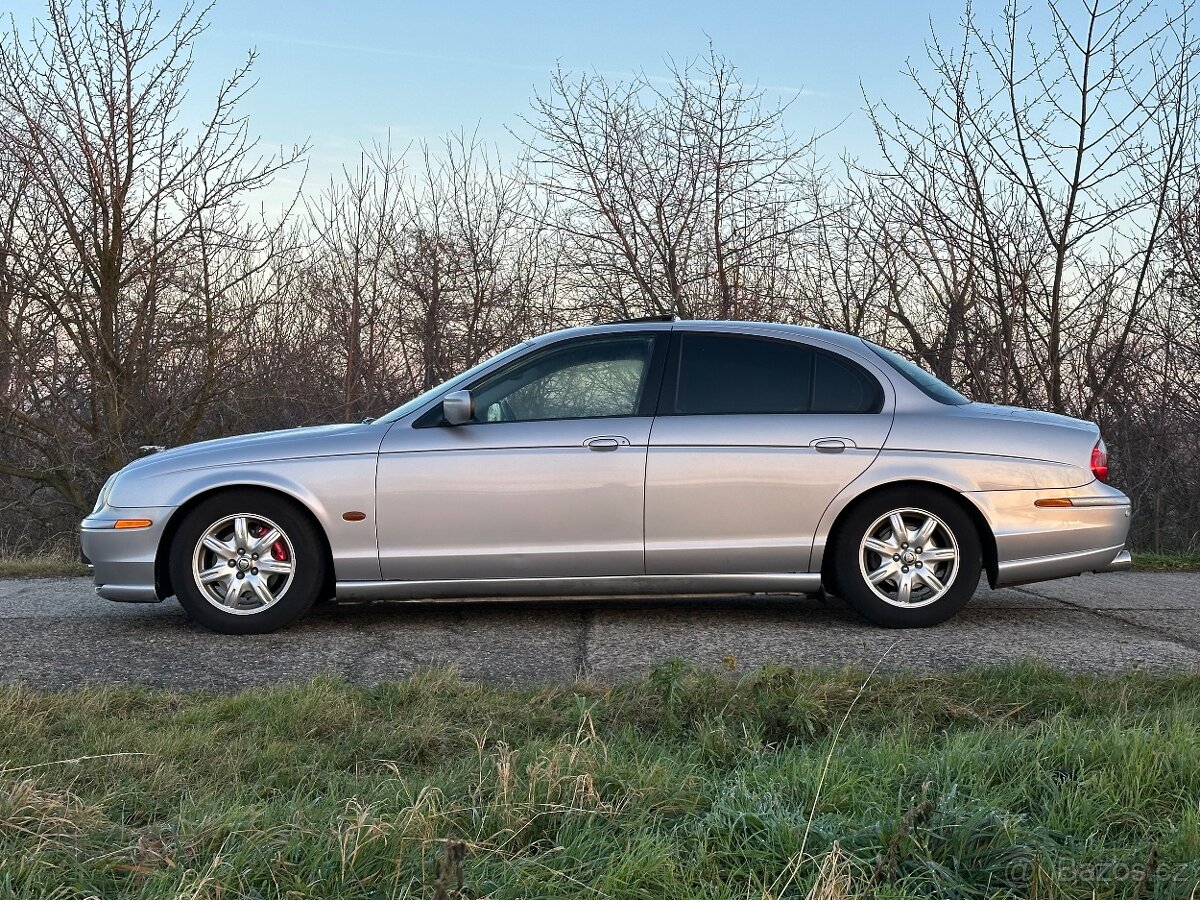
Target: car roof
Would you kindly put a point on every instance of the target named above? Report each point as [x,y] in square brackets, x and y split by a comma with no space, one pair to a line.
[784,329]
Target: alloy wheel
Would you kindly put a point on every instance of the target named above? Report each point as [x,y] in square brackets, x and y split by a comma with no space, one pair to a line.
[909,558]
[243,564]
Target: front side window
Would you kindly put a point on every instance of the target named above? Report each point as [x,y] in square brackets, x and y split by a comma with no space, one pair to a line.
[586,379]
[719,374]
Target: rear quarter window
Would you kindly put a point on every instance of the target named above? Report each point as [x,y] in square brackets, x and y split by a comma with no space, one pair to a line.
[841,386]
[928,384]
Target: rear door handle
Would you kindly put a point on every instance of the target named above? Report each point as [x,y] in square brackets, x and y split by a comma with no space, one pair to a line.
[606,442]
[829,445]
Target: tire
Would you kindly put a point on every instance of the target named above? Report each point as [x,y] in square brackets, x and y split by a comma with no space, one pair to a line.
[220,583]
[941,577]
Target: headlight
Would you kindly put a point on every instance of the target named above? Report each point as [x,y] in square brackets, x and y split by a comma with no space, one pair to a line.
[102,500]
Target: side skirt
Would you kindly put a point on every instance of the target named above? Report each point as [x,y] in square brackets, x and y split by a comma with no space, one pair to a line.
[595,586]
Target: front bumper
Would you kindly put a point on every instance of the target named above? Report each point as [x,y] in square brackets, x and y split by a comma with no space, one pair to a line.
[123,560]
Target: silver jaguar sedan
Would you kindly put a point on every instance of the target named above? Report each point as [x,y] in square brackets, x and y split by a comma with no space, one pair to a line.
[648,457]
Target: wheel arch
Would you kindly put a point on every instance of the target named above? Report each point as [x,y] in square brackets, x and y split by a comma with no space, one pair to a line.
[987,539]
[162,555]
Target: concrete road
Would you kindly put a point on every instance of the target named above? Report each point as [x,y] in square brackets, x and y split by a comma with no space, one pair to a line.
[56,633]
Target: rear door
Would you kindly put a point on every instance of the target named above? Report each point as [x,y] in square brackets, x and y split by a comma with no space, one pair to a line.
[755,436]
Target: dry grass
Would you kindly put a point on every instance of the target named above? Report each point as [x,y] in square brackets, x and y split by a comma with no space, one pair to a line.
[44,565]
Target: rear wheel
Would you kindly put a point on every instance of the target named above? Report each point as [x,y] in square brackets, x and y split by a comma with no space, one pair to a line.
[908,558]
[247,562]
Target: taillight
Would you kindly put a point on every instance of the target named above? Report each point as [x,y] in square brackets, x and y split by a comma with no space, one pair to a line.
[1100,461]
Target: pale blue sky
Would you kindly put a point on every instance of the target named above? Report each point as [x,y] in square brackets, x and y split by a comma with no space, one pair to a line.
[342,74]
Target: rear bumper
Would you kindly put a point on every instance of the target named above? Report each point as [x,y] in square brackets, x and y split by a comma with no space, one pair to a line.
[1061,565]
[1042,543]
[123,559]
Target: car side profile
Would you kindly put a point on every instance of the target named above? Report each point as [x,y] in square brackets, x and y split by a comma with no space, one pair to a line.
[641,458]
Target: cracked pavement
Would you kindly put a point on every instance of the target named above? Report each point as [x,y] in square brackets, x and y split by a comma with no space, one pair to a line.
[58,634]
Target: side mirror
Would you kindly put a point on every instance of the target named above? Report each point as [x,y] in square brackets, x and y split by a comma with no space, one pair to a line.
[458,407]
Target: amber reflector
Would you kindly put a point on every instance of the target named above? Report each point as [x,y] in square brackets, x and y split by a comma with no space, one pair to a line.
[132,523]
[354,516]
[1053,503]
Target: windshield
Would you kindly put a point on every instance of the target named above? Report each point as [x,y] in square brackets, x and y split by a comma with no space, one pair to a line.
[417,402]
[938,390]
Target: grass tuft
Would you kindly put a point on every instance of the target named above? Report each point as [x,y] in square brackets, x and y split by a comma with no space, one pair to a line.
[1183,561]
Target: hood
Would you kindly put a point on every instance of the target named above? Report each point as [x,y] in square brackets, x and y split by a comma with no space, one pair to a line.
[291,443]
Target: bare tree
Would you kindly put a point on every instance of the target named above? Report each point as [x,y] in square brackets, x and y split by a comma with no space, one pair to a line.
[1032,196]
[1033,238]
[677,200]
[356,229]
[468,261]
[131,233]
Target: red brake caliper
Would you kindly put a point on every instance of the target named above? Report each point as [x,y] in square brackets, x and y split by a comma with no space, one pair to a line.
[278,549]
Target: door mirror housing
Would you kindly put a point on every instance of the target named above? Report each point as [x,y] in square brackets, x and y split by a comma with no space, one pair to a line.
[458,407]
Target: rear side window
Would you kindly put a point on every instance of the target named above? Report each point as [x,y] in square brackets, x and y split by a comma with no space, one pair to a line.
[720,374]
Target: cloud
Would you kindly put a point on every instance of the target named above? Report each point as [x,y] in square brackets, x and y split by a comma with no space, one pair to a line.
[385,51]
[794,90]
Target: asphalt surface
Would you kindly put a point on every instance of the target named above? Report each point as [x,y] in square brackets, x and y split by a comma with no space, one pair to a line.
[56,633]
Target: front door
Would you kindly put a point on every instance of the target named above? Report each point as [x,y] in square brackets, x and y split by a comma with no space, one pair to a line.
[754,438]
[546,480]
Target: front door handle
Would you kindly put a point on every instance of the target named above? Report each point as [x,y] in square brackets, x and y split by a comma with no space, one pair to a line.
[606,442]
[829,445]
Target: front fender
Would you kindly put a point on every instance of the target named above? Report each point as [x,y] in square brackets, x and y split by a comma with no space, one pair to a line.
[326,486]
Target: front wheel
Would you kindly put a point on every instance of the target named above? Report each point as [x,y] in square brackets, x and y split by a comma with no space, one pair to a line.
[908,559]
[247,562]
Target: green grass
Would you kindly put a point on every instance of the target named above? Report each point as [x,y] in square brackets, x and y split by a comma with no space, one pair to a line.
[47,565]
[1015,782]
[1185,561]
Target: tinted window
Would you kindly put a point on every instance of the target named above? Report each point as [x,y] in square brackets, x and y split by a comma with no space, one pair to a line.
[725,373]
[938,390]
[586,379]
[717,374]
[839,386]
